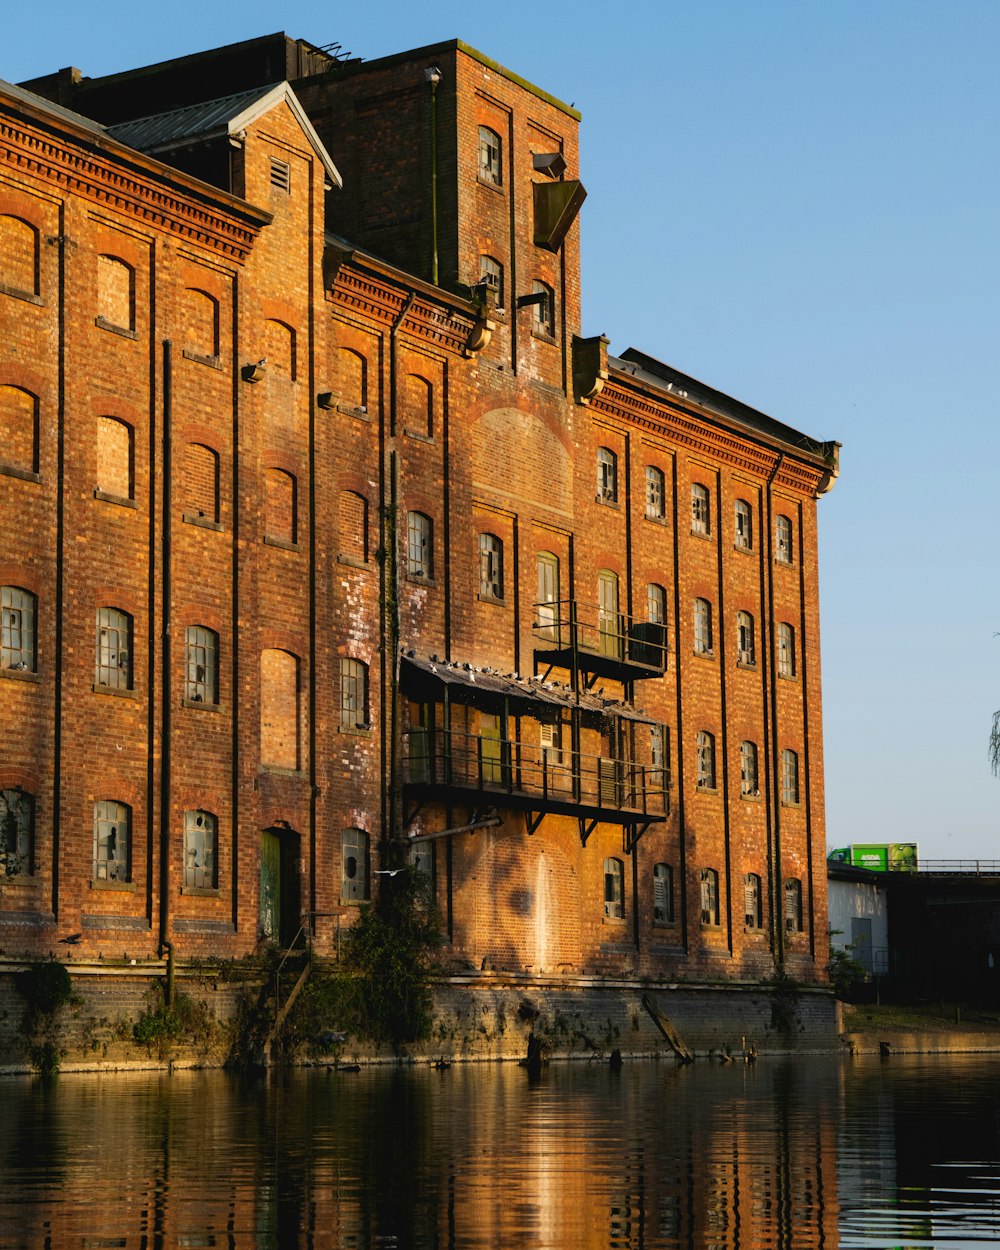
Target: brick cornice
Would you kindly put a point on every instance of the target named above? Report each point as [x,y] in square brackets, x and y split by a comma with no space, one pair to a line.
[357,292]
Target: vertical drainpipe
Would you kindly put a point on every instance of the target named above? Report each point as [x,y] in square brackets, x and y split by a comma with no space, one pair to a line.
[234,645]
[774,772]
[58,659]
[806,741]
[629,690]
[433,76]
[722,762]
[311,340]
[166,656]
[679,736]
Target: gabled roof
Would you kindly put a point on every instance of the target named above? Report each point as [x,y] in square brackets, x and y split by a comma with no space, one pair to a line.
[220,118]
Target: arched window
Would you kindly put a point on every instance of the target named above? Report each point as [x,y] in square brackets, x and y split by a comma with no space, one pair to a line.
[706,760]
[490,157]
[18,257]
[19,422]
[419,545]
[17,629]
[702,627]
[656,497]
[748,770]
[701,515]
[786,650]
[279,348]
[201,684]
[115,293]
[201,323]
[709,896]
[744,525]
[793,905]
[614,889]
[112,841]
[491,279]
[279,709]
[200,851]
[789,777]
[490,566]
[353,518]
[17,832]
[353,381]
[114,649]
[753,904]
[115,459]
[544,322]
[745,641]
[783,540]
[656,604]
[354,858]
[663,894]
[418,400]
[547,606]
[607,475]
[609,622]
[353,694]
[280,506]
[201,483]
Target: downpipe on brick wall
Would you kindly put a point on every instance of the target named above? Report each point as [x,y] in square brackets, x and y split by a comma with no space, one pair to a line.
[777,910]
[165,700]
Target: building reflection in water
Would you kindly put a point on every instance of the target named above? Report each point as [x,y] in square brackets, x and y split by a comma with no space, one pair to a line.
[712,1157]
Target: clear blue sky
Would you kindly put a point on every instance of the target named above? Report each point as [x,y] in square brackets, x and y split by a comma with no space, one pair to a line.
[796,202]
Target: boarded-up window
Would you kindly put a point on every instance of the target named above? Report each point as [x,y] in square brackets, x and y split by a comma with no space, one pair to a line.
[280,506]
[353,380]
[354,854]
[418,397]
[279,709]
[279,348]
[115,292]
[114,458]
[353,525]
[201,482]
[19,424]
[18,255]
[201,322]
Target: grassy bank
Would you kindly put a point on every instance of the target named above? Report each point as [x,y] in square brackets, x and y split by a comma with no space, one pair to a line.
[888,1019]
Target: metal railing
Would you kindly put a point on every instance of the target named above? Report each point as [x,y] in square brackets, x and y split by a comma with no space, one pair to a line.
[565,624]
[960,867]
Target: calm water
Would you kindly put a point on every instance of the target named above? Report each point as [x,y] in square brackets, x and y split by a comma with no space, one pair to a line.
[856,1153]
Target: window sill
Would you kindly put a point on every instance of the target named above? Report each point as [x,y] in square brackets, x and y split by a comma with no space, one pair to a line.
[705,655]
[117,692]
[103,324]
[542,336]
[198,706]
[275,770]
[120,500]
[283,543]
[664,924]
[788,677]
[26,475]
[420,438]
[121,887]
[201,891]
[608,502]
[355,731]
[753,797]
[353,562]
[790,804]
[743,549]
[614,921]
[489,184]
[656,520]
[704,534]
[707,789]
[785,564]
[353,902]
[751,665]
[202,521]
[21,674]
[355,411]
[15,292]
[498,600]
[754,930]
[213,362]
[19,881]
[421,579]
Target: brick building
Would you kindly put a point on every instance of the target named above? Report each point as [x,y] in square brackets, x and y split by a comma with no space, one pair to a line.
[328,540]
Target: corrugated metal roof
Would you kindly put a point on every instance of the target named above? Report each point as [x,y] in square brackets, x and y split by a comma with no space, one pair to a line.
[178,126]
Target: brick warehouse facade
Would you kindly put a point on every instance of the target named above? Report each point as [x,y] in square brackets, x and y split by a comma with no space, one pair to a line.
[327,538]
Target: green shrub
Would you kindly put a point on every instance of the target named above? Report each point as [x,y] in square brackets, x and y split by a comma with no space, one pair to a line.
[46,987]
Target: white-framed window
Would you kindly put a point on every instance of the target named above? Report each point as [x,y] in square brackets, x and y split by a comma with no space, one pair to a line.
[607,475]
[17,832]
[419,545]
[663,894]
[112,841]
[659,760]
[786,649]
[656,493]
[789,777]
[749,785]
[491,277]
[201,684]
[544,322]
[656,604]
[114,649]
[609,621]
[550,740]
[17,629]
[353,694]
[706,760]
[490,566]
[490,157]
[701,514]
[753,904]
[793,905]
[745,641]
[547,607]
[200,850]
[614,889]
[709,896]
[783,540]
[354,859]
[702,627]
[744,525]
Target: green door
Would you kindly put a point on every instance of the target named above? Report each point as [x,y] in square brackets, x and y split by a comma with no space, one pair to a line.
[270,886]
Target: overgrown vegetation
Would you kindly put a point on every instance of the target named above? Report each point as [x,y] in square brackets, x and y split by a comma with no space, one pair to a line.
[784,994]
[46,987]
[160,1024]
[843,970]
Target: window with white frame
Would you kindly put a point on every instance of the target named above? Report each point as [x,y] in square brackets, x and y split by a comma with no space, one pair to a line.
[114,649]
[353,694]
[17,832]
[706,760]
[783,540]
[490,566]
[701,516]
[656,496]
[744,525]
[200,850]
[709,896]
[607,475]
[202,665]
[112,841]
[419,545]
[17,629]
[786,650]
[656,604]
[702,627]
[745,643]
[548,607]
[749,786]
[753,904]
[789,777]
[354,859]
[663,894]
[793,905]
[659,760]
[614,889]
[490,157]
[491,278]
[544,323]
